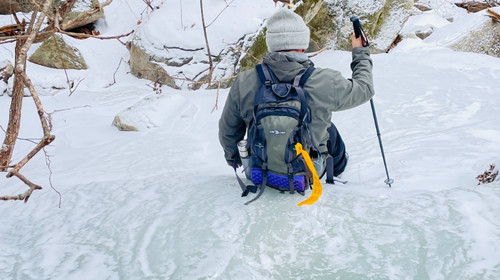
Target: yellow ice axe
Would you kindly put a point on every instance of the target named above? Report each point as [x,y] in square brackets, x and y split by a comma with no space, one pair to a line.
[317,188]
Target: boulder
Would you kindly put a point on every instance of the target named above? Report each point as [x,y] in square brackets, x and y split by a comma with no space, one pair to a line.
[82,13]
[56,53]
[423,25]
[485,39]
[143,66]
[6,70]
[154,111]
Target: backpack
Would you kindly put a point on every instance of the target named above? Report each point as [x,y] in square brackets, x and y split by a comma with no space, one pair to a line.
[281,119]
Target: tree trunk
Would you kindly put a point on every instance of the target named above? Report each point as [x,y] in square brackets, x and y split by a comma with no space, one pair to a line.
[15,107]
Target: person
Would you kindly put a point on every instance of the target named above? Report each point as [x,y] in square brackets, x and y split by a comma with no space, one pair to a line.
[287,38]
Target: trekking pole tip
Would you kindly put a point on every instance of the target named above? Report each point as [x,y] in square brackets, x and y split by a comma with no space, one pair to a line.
[389,182]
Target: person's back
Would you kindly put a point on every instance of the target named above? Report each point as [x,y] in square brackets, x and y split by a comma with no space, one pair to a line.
[287,38]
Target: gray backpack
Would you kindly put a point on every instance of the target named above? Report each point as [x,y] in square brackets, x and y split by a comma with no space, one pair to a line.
[281,119]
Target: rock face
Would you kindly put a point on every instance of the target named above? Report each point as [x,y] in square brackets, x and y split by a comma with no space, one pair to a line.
[55,53]
[330,23]
[6,6]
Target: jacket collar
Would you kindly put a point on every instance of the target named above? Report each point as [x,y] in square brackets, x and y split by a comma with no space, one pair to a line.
[286,66]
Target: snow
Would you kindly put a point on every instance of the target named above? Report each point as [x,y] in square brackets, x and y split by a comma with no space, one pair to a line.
[161,203]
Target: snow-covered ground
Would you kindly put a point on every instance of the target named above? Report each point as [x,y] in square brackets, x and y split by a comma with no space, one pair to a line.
[162,203]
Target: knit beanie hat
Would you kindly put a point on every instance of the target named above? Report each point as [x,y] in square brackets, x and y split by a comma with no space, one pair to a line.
[286,31]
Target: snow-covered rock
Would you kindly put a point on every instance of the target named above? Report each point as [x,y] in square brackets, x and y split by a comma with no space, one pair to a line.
[422,25]
[82,13]
[153,111]
[473,32]
[55,52]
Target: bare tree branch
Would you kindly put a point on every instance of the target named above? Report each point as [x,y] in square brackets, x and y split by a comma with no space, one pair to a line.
[24,40]
[26,195]
[82,35]
[148,3]
[227,6]
[45,141]
[114,74]
[106,3]
[207,44]
[47,162]
[38,104]
[216,106]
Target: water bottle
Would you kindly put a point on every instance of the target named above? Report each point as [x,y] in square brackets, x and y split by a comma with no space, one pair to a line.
[245,157]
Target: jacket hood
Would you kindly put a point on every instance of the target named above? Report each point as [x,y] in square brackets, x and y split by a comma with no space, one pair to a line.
[286,66]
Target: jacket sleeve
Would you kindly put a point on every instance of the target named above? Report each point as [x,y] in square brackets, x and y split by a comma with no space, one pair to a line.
[232,127]
[359,89]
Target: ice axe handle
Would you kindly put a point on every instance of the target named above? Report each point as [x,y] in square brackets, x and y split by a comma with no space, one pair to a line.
[358,30]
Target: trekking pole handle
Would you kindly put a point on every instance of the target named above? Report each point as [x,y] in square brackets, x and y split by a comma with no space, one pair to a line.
[358,31]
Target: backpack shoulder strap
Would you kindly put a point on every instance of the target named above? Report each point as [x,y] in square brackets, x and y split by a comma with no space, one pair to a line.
[302,77]
[306,75]
[300,80]
[265,75]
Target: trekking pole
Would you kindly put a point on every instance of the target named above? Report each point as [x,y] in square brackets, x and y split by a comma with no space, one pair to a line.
[388,181]
[358,31]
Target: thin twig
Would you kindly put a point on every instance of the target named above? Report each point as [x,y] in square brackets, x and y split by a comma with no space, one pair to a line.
[76,86]
[47,163]
[148,3]
[26,195]
[318,52]
[182,22]
[45,141]
[83,35]
[114,74]
[227,5]
[6,41]
[207,44]
[182,49]
[216,106]
[71,85]
[106,3]
[38,104]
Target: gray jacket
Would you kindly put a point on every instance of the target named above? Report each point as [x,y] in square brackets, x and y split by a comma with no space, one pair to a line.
[328,91]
